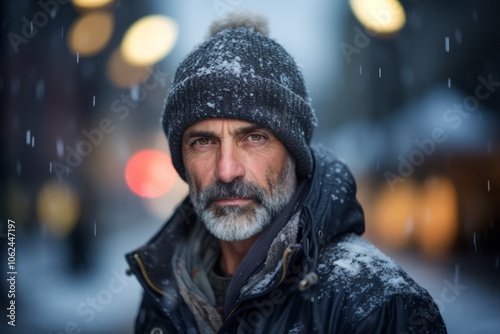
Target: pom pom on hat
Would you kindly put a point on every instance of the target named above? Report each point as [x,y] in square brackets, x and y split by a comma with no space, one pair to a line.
[240,20]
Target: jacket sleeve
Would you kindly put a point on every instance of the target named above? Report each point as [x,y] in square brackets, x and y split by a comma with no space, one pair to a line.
[404,315]
[149,320]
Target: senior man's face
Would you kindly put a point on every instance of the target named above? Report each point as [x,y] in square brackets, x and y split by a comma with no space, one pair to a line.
[240,176]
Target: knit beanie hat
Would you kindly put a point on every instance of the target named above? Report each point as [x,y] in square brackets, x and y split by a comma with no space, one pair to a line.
[241,73]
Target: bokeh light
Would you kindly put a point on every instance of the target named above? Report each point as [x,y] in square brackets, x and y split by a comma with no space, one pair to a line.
[90,34]
[162,207]
[91,4]
[149,39]
[438,222]
[122,74]
[58,208]
[393,215]
[379,16]
[421,214]
[150,173]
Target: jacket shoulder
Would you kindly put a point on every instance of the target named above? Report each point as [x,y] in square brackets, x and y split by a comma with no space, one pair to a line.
[361,281]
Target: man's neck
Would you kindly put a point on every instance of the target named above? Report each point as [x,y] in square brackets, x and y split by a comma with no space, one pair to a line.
[233,252]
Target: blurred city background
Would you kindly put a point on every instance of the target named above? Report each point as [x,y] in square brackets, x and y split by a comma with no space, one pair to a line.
[407,93]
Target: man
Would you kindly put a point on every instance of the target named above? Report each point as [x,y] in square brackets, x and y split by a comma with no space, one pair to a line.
[268,239]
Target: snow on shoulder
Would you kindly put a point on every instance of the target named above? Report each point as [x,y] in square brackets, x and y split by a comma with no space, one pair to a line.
[353,269]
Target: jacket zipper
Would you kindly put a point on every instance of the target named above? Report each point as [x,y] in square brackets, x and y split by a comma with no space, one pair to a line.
[146,277]
[232,311]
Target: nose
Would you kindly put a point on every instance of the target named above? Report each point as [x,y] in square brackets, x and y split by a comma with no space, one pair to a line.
[229,164]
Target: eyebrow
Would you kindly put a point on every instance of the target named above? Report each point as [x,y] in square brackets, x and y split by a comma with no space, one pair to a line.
[204,133]
[249,128]
[196,134]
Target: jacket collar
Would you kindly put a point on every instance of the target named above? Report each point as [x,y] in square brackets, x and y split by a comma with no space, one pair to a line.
[330,208]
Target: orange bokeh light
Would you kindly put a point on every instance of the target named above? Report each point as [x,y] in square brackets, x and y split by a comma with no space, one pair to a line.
[438,211]
[150,173]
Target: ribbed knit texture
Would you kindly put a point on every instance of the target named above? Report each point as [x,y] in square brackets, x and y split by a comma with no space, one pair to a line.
[241,74]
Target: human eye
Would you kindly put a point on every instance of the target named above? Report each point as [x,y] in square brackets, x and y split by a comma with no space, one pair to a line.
[256,137]
[202,142]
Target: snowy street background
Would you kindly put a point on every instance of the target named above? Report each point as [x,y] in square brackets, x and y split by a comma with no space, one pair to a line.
[407,93]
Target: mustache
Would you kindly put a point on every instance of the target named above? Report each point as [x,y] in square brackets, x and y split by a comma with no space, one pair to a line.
[234,189]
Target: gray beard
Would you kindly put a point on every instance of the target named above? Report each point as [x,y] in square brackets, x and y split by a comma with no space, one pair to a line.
[240,222]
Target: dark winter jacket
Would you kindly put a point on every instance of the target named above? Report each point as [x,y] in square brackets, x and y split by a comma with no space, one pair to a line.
[309,271]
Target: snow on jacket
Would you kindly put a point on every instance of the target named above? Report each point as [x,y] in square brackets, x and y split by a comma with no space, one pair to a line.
[309,271]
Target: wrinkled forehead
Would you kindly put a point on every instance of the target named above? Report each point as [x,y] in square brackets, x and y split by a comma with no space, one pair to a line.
[222,126]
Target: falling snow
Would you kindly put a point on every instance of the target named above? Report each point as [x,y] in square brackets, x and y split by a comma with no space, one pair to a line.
[60,148]
[475,16]
[409,226]
[458,36]
[474,241]
[40,89]
[134,93]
